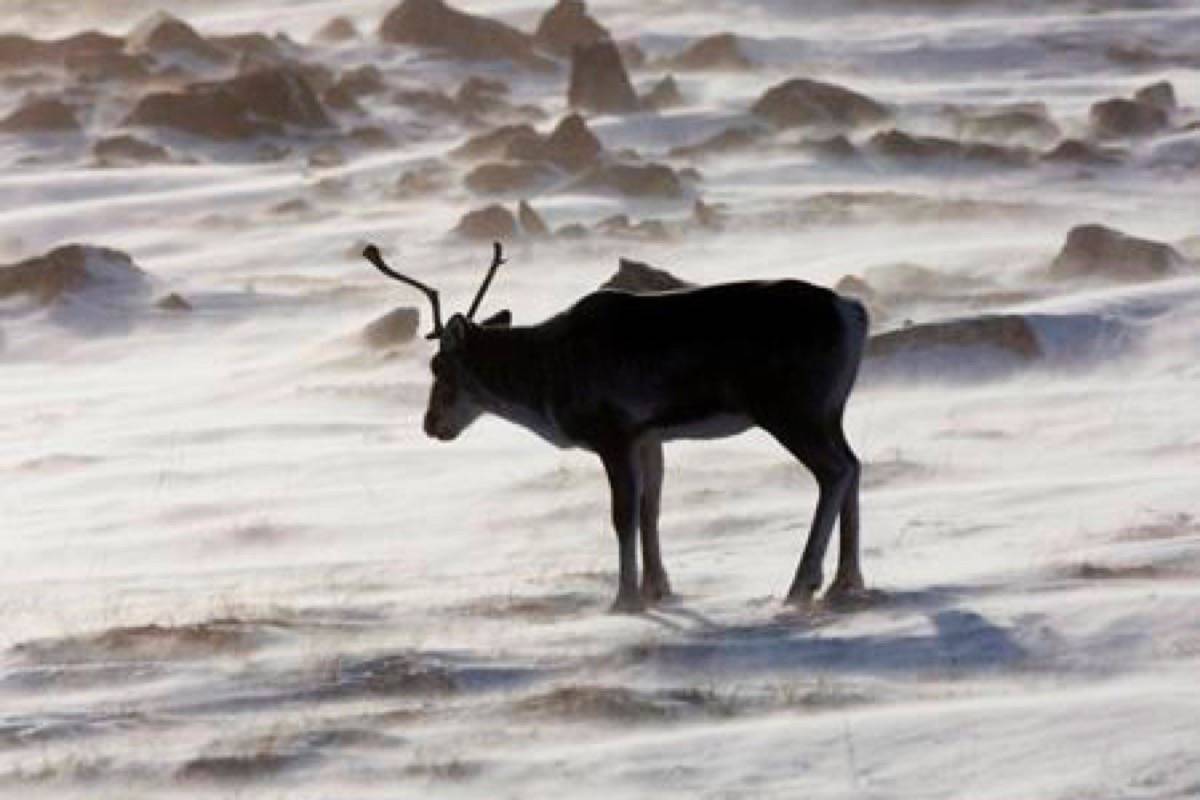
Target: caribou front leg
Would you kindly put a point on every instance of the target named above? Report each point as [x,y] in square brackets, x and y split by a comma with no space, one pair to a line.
[655,585]
[625,481]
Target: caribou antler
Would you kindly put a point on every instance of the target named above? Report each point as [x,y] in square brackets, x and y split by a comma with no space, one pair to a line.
[497,260]
[371,253]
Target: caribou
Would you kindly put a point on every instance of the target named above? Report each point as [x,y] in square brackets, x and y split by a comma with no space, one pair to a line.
[619,373]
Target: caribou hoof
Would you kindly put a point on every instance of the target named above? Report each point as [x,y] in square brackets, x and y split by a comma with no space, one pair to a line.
[846,589]
[656,590]
[627,603]
[802,599]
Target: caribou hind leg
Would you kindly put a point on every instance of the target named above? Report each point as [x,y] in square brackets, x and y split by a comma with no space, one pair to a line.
[848,580]
[623,467]
[818,445]
[655,585]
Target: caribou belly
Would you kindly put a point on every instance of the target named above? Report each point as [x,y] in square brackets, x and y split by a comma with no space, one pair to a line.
[716,426]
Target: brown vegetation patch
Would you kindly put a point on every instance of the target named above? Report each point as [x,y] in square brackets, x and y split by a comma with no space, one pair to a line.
[543,608]
[452,771]
[615,704]
[239,768]
[219,637]
[398,674]
[1094,572]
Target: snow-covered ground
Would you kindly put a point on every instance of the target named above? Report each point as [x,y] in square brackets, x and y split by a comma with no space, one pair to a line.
[233,565]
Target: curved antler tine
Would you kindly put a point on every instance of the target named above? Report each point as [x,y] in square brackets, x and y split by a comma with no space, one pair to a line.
[371,253]
[497,260]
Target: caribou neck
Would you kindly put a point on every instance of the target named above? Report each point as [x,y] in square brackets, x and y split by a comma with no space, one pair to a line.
[512,369]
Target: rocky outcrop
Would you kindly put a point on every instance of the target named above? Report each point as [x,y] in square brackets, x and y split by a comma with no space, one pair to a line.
[510,178]
[396,327]
[807,103]
[169,38]
[566,26]
[336,31]
[125,151]
[1006,334]
[434,24]
[242,107]
[571,145]
[633,180]
[173,302]
[1098,252]
[599,81]
[492,223]
[718,52]
[1160,95]
[1029,124]
[73,269]
[729,140]
[898,145]
[1079,152]
[494,143]
[21,52]
[532,224]
[663,95]
[641,278]
[1120,118]
[41,116]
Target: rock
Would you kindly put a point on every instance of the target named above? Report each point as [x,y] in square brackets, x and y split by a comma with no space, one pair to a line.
[394,328]
[802,102]
[362,81]
[632,55]
[71,269]
[727,141]
[326,156]
[256,51]
[295,206]
[173,302]
[101,66]
[1025,124]
[239,108]
[664,94]
[640,278]
[495,142]
[708,217]
[565,26]
[41,116]
[896,144]
[1008,333]
[432,23]
[371,136]
[642,180]
[336,30]
[1095,251]
[425,180]
[121,151]
[481,95]
[532,223]
[1160,95]
[1076,151]
[620,225]
[599,81]
[1120,118]
[427,101]
[508,178]
[720,51]
[836,147]
[572,145]
[493,223]
[165,36]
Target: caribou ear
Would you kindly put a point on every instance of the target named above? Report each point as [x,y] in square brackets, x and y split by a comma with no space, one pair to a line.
[455,332]
[501,319]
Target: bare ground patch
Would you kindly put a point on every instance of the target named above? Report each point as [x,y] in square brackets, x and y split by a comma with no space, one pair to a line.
[533,608]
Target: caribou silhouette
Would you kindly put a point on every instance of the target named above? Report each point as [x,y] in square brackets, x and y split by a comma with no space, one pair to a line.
[618,374]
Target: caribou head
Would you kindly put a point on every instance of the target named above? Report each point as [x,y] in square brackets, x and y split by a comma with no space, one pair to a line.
[455,399]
